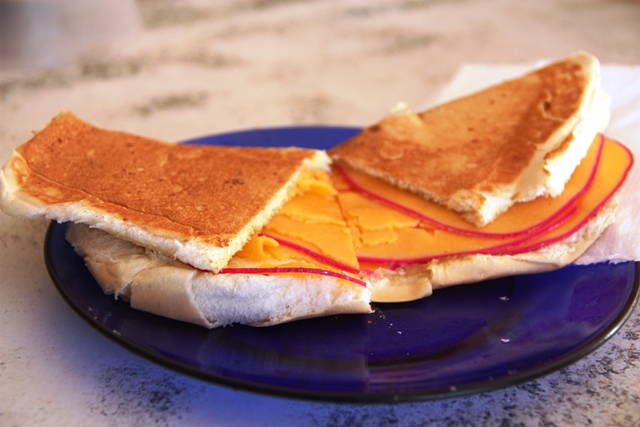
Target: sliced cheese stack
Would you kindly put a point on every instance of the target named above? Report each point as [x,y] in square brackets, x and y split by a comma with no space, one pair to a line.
[403,246]
[308,235]
[397,231]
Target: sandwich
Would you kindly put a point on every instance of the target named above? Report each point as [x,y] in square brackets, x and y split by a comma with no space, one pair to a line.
[514,179]
[508,180]
[422,246]
[480,154]
[172,228]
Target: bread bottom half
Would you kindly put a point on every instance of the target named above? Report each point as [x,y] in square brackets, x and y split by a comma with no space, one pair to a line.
[170,288]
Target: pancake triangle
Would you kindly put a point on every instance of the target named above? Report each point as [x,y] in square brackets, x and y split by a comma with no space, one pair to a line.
[479,154]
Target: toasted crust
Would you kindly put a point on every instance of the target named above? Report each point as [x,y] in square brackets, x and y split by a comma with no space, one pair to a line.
[197,203]
[169,288]
[481,153]
[420,280]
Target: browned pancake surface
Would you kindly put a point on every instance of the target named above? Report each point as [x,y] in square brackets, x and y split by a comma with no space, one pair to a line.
[207,192]
[473,143]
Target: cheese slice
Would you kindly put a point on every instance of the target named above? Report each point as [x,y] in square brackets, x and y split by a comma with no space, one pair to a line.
[347,225]
[309,231]
[521,219]
[416,244]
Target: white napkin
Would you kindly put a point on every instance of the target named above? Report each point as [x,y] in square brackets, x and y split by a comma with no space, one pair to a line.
[621,241]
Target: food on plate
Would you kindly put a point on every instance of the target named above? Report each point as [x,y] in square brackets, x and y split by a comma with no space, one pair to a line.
[426,246]
[156,194]
[507,180]
[172,227]
[514,179]
[482,153]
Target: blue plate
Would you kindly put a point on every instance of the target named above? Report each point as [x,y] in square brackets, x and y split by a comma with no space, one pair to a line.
[462,340]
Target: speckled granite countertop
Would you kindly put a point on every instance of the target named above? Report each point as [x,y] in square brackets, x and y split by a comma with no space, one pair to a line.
[180,69]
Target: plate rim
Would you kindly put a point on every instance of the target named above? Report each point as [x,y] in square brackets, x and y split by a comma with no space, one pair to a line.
[479,387]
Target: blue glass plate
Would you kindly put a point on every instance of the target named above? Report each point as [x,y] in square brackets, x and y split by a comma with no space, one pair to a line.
[462,340]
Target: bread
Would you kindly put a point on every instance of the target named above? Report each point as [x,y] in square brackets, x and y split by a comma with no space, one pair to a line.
[172,289]
[199,204]
[156,222]
[480,154]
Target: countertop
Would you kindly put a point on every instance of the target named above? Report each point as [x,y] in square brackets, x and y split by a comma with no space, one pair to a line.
[180,69]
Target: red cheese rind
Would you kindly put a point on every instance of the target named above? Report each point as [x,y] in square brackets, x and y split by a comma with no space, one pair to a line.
[414,247]
[521,219]
[614,168]
[596,180]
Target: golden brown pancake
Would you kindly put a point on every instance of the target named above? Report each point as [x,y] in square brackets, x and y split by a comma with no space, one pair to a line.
[481,153]
[210,197]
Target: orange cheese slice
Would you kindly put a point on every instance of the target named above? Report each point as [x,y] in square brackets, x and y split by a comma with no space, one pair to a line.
[520,219]
[330,240]
[418,244]
[309,232]
[266,252]
[345,225]
[612,172]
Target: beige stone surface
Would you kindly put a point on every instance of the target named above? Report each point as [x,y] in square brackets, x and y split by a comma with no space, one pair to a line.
[176,69]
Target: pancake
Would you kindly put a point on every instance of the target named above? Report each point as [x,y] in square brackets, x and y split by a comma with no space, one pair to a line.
[479,154]
[197,203]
